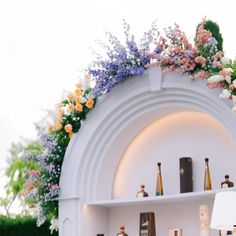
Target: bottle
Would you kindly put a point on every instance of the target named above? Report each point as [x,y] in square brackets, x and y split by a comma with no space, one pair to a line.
[227,183]
[142,193]
[122,231]
[159,186]
[234,230]
[147,224]
[207,178]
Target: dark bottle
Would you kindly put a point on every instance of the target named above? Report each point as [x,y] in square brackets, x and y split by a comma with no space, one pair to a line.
[207,177]
[147,224]
[141,193]
[186,174]
[122,231]
[159,185]
[227,183]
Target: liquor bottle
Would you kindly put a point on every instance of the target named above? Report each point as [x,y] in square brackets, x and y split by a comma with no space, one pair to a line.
[159,186]
[234,230]
[186,174]
[147,224]
[204,220]
[122,231]
[207,178]
[142,193]
[227,183]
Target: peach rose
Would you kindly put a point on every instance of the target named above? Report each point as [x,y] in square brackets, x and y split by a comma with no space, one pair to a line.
[78,85]
[50,127]
[68,128]
[89,103]
[78,92]
[77,100]
[61,111]
[79,107]
[71,107]
[58,126]
[70,96]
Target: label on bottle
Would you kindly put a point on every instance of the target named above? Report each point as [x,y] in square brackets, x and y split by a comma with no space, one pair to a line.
[140,195]
[224,185]
[144,232]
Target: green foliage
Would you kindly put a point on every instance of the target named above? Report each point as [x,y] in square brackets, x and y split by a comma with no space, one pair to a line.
[21,162]
[23,226]
[215,30]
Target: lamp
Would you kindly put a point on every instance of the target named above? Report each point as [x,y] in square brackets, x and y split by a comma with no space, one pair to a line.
[224,211]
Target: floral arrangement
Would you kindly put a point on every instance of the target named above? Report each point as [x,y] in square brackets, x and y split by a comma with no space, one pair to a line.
[172,51]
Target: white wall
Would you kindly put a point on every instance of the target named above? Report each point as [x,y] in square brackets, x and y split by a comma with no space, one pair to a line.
[182,134]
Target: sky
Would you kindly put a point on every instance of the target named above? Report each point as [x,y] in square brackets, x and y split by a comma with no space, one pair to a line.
[44,44]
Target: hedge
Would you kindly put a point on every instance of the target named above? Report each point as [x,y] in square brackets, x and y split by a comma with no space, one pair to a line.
[23,226]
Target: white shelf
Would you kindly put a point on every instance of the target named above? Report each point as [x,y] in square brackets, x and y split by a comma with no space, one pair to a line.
[171,198]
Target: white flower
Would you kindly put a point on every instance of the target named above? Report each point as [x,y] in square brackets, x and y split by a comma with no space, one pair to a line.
[234,99]
[225,93]
[54,224]
[234,109]
[225,60]
[228,79]
[234,83]
[215,79]
[83,100]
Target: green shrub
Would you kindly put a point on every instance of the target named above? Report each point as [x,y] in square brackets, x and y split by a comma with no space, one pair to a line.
[23,226]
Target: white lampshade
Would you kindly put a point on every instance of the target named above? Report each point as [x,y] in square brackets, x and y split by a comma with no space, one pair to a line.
[224,211]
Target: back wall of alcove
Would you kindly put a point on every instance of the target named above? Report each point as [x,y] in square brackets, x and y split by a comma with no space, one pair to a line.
[183,134]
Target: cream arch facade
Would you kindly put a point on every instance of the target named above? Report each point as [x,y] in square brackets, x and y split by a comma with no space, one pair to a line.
[94,154]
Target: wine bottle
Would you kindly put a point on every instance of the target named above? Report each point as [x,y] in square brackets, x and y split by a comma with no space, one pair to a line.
[122,231]
[207,178]
[227,183]
[142,192]
[147,224]
[159,185]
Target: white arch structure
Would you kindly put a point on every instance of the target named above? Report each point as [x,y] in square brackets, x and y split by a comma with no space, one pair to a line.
[94,153]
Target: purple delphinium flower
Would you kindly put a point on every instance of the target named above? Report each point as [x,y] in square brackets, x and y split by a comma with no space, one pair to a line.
[188,53]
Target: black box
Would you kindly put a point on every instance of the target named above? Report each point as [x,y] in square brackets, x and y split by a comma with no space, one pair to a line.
[186,174]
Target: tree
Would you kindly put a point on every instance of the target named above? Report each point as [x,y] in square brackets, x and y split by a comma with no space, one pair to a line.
[20,162]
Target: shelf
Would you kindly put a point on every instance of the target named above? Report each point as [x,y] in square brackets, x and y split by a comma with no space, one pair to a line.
[171,198]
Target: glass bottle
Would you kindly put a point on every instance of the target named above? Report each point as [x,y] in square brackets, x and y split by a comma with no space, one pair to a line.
[141,193]
[207,177]
[234,230]
[122,231]
[227,183]
[159,185]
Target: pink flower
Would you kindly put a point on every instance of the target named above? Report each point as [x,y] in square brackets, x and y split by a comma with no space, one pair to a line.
[215,85]
[218,64]
[225,73]
[200,60]
[202,74]
[202,35]
[217,55]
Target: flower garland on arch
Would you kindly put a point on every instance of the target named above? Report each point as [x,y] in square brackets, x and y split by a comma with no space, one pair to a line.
[171,50]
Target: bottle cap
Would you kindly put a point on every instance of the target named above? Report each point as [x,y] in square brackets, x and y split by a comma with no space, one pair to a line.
[206,159]
[122,227]
[226,176]
[142,186]
[158,163]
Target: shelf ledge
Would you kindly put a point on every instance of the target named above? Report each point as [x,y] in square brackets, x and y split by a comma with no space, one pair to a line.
[170,198]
